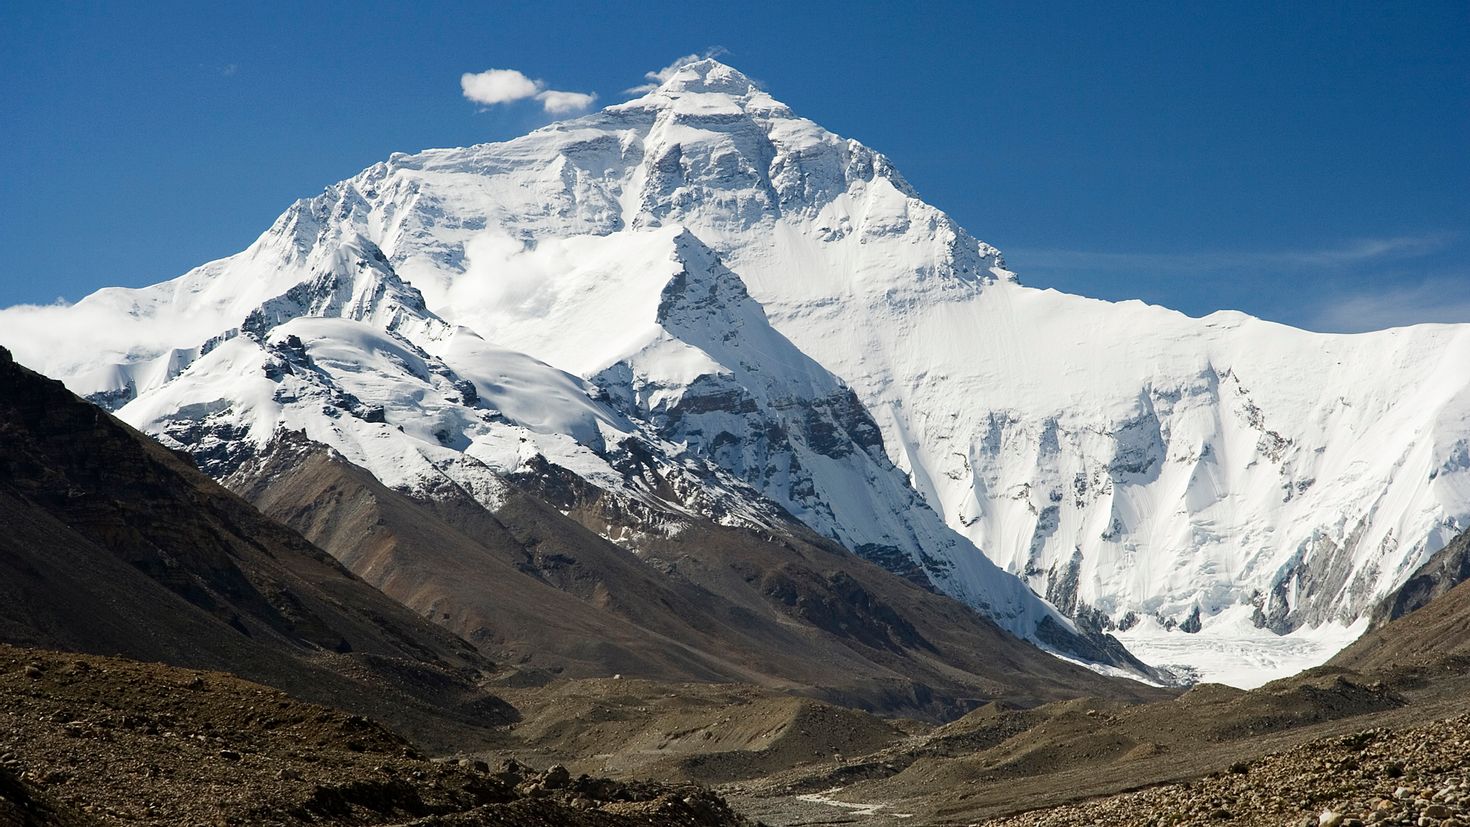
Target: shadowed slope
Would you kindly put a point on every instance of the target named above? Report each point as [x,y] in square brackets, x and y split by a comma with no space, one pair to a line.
[113,545]
[1431,618]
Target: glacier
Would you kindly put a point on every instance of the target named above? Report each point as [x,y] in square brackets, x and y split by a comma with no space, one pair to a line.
[773,314]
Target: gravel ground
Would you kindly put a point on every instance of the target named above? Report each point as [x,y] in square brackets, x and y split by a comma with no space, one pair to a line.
[101,741]
[1418,776]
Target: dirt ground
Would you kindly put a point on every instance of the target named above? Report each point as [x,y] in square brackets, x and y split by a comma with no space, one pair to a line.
[88,740]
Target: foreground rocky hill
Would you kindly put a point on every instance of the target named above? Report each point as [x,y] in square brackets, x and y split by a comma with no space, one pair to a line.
[88,740]
[114,545]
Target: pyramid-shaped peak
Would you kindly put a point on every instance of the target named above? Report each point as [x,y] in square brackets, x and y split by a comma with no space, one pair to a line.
[705,87]
[709,75]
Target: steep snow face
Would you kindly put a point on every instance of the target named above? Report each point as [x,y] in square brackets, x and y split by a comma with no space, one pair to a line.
[775,306]
[716,378]
[1128,459]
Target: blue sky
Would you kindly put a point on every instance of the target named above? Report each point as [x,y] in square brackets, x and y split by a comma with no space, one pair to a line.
[1304,162]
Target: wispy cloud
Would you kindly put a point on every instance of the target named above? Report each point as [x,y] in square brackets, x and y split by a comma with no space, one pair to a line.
[102,335]
[224,70]
[1359,251]
[557,102]
[494,87]
[1441,299]
[1360,284]
[656,78]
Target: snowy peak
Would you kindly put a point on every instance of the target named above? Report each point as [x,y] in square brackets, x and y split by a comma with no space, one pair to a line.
[708,76]
[702,291]
[707,88]
[357,282]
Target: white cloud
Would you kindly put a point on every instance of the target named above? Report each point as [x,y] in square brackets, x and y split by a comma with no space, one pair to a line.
[558,103]
[657,78]
[495,86]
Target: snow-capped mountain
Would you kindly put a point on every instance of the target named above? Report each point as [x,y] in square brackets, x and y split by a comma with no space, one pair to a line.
[702,280]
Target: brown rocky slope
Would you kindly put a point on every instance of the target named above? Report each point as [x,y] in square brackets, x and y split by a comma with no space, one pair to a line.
[538,584]
[113,545]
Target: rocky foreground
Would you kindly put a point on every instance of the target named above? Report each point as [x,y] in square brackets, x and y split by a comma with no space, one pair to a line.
[96,741]
[1418,776]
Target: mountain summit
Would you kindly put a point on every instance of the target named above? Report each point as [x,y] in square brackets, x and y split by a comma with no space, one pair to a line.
[708,75]
[713,309]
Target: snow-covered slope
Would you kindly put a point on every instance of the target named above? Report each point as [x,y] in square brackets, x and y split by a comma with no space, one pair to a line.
[771,308]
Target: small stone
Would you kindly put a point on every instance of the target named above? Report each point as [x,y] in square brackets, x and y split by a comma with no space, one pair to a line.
[512,767]
[556,778]
[1329,819]
[1437,811]
[229,755]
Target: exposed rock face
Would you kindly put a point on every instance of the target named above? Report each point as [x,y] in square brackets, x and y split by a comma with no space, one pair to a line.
[1432,627]
[1448,568]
